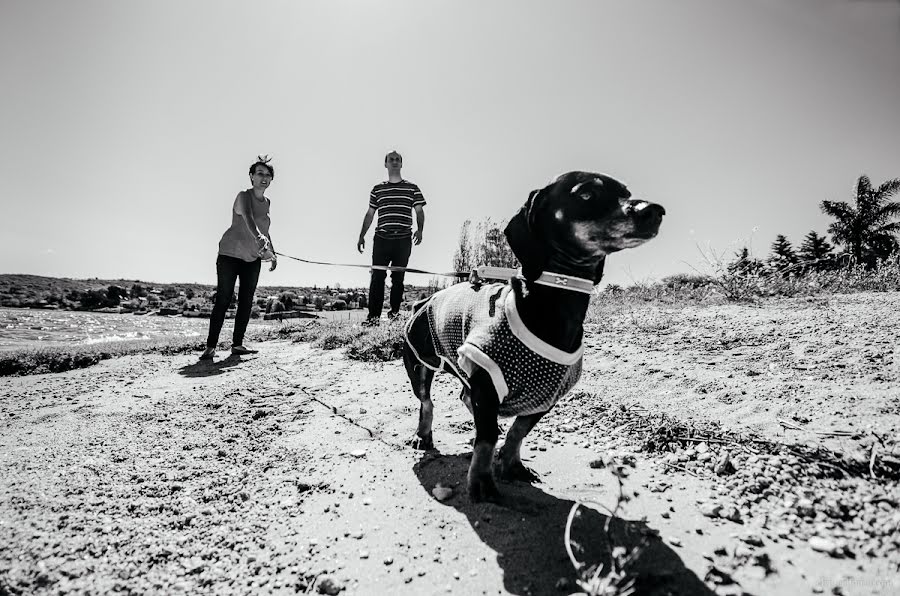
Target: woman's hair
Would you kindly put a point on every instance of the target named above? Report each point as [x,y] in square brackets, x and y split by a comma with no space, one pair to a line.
[263,160]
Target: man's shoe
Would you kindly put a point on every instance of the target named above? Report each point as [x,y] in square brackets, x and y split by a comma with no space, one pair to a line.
[241,350]
[393,315]
[208,354]
[371,321]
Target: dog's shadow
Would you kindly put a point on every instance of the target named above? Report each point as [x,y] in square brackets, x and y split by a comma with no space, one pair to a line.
[527,531]
[209,368]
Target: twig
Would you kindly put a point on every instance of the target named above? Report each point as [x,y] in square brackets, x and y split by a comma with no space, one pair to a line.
[682,468]
[568,536]
[335,412]
[872,461]
[826,433]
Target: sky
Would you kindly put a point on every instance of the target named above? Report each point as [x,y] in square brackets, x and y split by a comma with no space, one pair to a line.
[127,128]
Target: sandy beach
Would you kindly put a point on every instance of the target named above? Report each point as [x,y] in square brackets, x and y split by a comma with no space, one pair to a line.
[286,472]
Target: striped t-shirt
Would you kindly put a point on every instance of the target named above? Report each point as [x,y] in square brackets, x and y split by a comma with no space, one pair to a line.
[394,202]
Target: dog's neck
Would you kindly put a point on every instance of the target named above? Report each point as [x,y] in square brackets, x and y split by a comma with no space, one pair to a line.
[555,315]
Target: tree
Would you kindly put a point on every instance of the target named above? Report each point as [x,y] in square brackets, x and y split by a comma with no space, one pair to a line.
[783,255]
[462,258]
[867,229]
[744,264]
[137,291]
[486,246]
[815,252]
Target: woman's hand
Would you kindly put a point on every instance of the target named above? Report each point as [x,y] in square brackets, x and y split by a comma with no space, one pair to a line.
[274,263]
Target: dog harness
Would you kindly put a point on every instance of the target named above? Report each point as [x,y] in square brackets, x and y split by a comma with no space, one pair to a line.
[479,326]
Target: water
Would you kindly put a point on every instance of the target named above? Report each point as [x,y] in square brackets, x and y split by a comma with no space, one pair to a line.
[27,328]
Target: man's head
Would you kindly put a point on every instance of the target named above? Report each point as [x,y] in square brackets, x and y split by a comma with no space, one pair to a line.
[393,161]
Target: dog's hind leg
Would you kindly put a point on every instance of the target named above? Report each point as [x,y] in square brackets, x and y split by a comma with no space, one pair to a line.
[465,396]
[509,458]
[420,377]
[485,405]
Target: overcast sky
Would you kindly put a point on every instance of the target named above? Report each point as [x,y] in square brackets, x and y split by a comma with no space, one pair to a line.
[127,128]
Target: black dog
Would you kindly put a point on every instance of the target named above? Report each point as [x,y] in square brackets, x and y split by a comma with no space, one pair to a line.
[517,347]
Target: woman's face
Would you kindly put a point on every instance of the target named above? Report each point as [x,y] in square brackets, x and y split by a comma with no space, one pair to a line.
[261,177]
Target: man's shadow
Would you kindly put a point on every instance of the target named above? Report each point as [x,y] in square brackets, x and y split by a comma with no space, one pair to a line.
[209,368]
[527,531]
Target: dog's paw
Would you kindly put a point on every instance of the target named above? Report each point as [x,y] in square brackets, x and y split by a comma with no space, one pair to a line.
[516,470]
[482,488]
[425,443]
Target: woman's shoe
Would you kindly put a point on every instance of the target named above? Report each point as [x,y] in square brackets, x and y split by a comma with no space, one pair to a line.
[208,354]
[241,350]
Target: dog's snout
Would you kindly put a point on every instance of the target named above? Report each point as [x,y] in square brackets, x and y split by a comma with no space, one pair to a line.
[650,211]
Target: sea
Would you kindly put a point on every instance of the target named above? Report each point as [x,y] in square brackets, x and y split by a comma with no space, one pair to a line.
[35,328]
[32,328]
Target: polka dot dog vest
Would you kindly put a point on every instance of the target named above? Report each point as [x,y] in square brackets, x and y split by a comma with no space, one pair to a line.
[480,326]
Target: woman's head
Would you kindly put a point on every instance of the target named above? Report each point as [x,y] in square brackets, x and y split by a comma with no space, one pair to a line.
[262,164]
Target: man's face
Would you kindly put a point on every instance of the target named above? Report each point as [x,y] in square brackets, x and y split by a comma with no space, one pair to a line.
[393,162]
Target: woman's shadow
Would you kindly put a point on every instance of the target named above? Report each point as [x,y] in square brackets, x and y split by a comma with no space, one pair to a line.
[209,368]
[527,531]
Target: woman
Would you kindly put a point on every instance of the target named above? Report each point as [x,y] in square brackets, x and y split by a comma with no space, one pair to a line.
[241,251]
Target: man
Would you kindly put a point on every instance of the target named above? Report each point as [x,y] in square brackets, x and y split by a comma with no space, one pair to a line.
[394,200]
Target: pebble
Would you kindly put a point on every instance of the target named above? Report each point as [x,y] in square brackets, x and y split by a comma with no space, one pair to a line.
[442,493]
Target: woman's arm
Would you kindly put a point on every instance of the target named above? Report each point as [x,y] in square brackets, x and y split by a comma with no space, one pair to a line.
[247,214]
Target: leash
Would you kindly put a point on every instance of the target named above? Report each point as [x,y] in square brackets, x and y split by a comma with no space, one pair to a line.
[482,272]
[458,274]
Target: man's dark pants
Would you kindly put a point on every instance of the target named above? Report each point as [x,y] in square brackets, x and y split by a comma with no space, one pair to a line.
[228,271]
[388,251]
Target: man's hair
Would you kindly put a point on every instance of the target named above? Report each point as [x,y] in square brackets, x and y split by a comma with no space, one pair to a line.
[264,164]
[390,153]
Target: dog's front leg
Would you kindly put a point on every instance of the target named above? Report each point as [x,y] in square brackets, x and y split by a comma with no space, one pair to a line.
[509,459]
[420,377]
[485,404]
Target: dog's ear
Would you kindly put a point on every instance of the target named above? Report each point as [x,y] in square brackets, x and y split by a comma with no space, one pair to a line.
[524,240]
[598,272]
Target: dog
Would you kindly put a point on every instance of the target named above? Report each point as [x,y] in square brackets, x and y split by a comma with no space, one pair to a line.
[517,347]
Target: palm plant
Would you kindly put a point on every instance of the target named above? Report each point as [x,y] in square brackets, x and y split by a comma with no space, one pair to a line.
[867,229]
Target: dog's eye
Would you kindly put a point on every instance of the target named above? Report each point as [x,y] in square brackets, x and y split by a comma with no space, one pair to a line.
[578,189]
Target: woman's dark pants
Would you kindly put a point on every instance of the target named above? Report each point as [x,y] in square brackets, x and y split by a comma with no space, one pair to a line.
[388,251]
[228,271]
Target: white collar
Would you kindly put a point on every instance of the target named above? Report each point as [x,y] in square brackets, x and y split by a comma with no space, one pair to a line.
[553,280]
[566,282]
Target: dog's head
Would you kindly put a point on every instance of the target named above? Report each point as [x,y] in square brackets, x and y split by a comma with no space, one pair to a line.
[570,225]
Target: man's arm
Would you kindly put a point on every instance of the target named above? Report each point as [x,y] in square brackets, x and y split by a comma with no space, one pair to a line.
[367,221]
[420,223]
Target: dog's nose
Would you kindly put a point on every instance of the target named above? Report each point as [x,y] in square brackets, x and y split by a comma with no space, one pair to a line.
[651,212]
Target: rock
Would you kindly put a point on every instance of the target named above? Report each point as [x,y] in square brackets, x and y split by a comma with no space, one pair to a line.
[329,585]
[724,467]
[732,514]
[823,545]
[711,509]
[752,539]
[358,453]
[442,493]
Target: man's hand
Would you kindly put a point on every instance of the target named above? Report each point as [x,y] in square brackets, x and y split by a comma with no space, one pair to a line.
[417,237]
[274,264]
[361,244]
